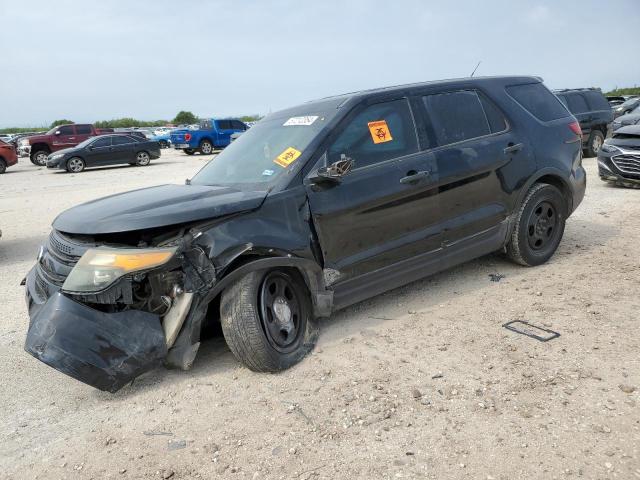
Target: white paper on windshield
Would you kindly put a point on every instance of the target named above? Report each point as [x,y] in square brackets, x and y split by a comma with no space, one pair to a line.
[308,120]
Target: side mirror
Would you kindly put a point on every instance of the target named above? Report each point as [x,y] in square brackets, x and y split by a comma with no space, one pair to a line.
[334,172]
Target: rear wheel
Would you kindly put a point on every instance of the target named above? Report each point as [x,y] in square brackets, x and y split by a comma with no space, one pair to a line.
[143,159]
[75,165]
[266,319]
[206,148]
[3,165]
[39,157]
[189,151]
[596,139]
[539,226]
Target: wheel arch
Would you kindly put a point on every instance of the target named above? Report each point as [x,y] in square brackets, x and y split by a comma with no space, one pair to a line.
[40,146]
[310,271]
[550,176]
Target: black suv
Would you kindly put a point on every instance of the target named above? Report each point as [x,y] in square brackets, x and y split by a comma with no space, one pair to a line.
[314,208]
[594,113]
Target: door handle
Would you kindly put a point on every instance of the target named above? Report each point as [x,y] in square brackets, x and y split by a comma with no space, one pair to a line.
[513,148]
[414,177]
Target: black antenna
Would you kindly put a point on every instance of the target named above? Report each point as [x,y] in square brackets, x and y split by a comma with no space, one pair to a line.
[474,70]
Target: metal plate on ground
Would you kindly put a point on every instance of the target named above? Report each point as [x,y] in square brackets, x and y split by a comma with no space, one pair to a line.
[530,330]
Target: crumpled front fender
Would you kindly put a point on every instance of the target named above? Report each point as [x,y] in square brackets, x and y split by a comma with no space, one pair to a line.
[104,350]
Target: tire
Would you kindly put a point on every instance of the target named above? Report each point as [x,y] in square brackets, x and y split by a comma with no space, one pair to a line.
[39,157]
[163,144]
[206,147]
[3,166]
[189,151]
[143,159]
[258,336]
[539,226]
[75,165]
[596,139]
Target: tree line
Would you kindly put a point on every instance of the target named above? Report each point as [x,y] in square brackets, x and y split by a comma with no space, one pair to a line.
[182,118]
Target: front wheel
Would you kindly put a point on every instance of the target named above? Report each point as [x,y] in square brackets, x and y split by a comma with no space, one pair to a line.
[143,159]
[75,165]
[3,166]
[267,320]
[164,144]
[39,158]
[539,226]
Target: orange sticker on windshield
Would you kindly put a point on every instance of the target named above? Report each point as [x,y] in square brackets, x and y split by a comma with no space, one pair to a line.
[380,132]
[287,157]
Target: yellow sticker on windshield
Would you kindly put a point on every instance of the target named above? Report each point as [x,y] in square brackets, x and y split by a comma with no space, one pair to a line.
[380,132]
[287,157]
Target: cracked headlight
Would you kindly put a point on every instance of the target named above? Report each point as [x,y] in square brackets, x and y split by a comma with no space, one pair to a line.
[98,268]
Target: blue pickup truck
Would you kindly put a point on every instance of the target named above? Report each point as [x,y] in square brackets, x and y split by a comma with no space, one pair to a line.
[211,134]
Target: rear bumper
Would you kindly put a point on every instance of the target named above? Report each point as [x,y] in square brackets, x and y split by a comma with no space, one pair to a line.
[578,182]
[104,350]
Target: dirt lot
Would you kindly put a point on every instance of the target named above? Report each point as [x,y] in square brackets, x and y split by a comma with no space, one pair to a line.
[422,382]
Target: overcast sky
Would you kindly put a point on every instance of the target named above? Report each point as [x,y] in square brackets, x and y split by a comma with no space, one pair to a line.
[148,59]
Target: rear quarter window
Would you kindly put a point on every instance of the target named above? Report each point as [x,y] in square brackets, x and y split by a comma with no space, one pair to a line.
[539,101]
[577,103]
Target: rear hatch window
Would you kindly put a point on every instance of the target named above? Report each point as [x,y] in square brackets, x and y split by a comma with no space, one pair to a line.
[539,101]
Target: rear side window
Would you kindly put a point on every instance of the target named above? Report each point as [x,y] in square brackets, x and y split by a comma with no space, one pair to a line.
[538,101]
[238,125]
[380,132]
[597,101]
[83,129]
[496,119]
[122,140]
[68,130]
[454,117]
[577,103]
[224,125]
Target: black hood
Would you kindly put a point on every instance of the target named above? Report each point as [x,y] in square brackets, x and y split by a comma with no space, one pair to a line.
[154,207]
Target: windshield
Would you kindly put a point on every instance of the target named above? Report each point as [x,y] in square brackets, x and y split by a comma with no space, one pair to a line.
[265,152]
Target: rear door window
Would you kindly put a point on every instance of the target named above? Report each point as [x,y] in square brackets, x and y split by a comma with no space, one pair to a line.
[539,101]
[83,129]
[224,125]
[238,125]
[454,117]
[122,140]
[577,103]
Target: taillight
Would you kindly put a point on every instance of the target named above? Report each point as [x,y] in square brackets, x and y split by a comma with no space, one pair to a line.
[187,136]
[575,128]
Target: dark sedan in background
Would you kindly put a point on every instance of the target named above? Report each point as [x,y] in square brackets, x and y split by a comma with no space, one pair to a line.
[105,150]
[619,157]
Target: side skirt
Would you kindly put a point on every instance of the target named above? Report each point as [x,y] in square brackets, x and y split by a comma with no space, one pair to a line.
[374,283]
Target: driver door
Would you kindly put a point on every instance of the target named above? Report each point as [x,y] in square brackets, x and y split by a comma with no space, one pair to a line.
[384,210]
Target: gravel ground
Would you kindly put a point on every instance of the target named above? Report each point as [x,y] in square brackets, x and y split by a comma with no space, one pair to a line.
[422,382]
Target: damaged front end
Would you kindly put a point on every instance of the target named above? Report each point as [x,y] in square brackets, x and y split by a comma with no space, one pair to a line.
[106,309]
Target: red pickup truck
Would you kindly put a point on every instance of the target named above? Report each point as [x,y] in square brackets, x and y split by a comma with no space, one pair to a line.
[62,136]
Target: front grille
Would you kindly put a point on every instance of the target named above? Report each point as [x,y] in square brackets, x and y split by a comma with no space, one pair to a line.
[59,256]
[627,163]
